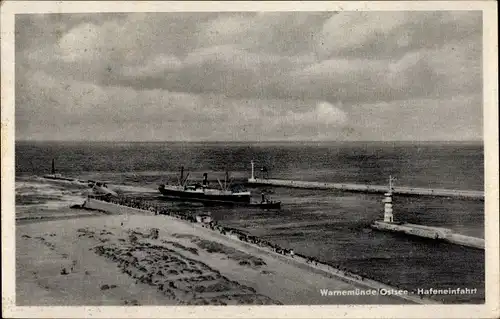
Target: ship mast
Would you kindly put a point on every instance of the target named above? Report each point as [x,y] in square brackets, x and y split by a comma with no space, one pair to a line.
[227,180]
[181,178]
[220,184]
[186,179]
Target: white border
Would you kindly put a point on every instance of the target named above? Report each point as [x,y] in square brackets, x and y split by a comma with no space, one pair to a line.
[490,71]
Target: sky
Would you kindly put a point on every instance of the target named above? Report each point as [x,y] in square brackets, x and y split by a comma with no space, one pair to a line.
[250,76]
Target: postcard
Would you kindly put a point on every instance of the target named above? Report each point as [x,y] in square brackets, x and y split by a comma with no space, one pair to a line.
[250,159]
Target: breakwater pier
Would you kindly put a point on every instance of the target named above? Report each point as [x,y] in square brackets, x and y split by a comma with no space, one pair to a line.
[436,233]
[365,188]
[430,232]
[377,189]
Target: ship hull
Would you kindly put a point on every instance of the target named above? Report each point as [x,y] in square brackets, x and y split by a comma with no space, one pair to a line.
[58,178]
[269,205]
[202,197]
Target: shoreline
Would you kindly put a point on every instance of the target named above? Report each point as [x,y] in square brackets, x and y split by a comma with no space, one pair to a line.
[134,259]
[304,262]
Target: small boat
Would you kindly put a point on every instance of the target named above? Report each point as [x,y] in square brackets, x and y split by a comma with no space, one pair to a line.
[268,204]
[101,188]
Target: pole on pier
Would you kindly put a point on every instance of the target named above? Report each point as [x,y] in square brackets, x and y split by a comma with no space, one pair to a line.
[391,179]
[252,178]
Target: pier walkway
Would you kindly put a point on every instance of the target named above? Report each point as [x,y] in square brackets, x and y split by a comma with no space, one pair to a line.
[402,190]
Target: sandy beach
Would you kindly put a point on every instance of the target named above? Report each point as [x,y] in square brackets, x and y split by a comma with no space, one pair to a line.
[108,254]
[157,260]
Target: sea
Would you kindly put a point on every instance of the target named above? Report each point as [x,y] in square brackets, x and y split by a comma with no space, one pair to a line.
[331,225]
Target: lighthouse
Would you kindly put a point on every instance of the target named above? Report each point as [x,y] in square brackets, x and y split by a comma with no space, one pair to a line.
[252,177]
[388,216]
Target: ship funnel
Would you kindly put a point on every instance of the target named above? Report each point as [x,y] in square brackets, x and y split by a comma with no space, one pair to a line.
[205,179]
[53,170]
[182,174]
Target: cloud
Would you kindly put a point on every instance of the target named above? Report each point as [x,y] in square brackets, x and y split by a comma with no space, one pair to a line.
[68,109]
[156,66]
[449,119]
[280,75]
[223,69]
[284,33]
[393,33]
[455,68]
[55,109]
[323,114]
[351,31]
[182,62]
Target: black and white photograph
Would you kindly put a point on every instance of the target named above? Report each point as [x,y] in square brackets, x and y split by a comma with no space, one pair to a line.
[343,155]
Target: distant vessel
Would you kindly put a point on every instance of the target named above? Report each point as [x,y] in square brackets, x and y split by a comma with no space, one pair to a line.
[55,176]
[203,193]
[99,188]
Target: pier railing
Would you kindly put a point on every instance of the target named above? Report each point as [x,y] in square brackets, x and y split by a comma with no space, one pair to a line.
[402,190]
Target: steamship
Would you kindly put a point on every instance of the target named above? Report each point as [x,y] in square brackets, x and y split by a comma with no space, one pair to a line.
[201,192]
